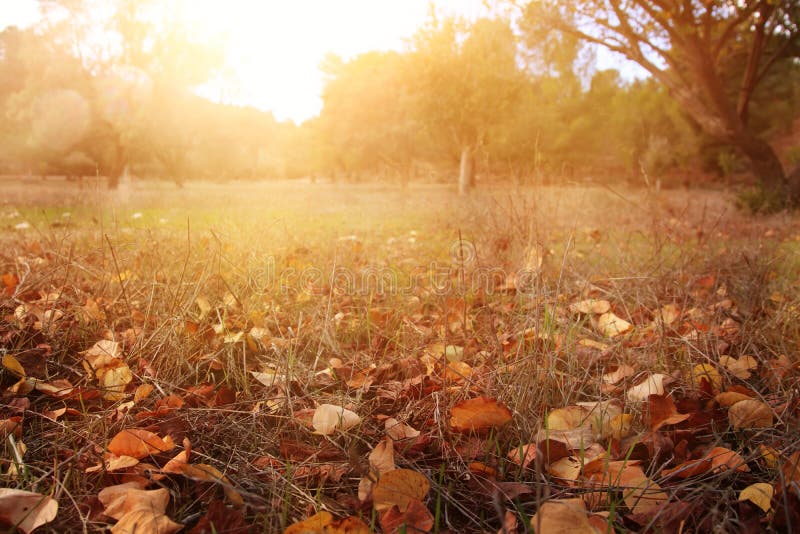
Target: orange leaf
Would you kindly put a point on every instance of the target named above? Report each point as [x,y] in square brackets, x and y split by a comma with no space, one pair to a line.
[722,459]
[399,488]
[478,414]
[139,443]
[663,412]
[312,525]
[562,515]
[689,468]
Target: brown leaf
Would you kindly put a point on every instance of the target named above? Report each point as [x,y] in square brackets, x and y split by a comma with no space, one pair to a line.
[415,518]
[750,413]
[481,413]
[145,521]
[398,488]
[123,498]
[662,412]
[26,510]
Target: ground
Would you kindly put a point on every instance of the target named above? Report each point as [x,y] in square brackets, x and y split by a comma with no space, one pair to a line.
[270,352]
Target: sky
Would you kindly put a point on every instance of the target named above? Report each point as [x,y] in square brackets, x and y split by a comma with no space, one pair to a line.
[275,46]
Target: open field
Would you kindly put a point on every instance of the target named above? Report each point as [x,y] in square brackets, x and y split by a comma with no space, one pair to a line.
[451,327]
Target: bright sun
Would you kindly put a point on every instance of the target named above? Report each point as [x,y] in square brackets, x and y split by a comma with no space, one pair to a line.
[275,47]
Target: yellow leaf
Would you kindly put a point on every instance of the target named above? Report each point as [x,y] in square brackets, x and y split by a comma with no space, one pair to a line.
[142,392]
[707,372]
[567,418]
[13,365]
[567,468]
[759,494]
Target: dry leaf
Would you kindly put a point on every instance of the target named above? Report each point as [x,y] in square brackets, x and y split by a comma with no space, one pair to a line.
[562,516]
[145,521]
[740,368]
[328,418]
[662,412]
[729,398]
[399,431]
[124,498]
[609,325]
[750,413]
[707,372]
[398,488]
[567,468]
[723,458]
[567,418]
[415,518]
[588,306]
[26,510]
[138,443]
[481,413]
[759,494]
[618,375]
[652,385]
[381,459]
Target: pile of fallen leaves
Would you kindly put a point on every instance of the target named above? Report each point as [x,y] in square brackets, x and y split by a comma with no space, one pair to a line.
[408,426]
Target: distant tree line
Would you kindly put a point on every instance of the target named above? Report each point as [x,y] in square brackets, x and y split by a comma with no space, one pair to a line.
[517,96]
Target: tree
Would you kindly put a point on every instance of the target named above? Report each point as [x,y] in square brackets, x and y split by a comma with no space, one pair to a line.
[683,45]
[466,80]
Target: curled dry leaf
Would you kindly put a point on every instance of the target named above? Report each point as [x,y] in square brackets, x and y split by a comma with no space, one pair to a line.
[124,498]
[398,488]
[750,413]
[562,516]
[209,473]
[759,494]
[652,385]
[399,431]
[481,413]
[609,325]
[567,418]
[26,510]
[328,418]
[567,468]
[138,443]
[381,459]
[145,521]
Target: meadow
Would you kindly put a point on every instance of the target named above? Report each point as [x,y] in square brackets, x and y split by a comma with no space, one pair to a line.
[297,357]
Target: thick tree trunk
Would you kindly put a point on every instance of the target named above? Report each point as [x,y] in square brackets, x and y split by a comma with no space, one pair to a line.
[466,174]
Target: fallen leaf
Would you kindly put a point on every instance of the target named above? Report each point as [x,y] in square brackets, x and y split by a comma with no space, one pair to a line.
[381,459]
[707,372]
[729,398]
[399,488]
[142,392]
[689,468]
[567,468]
[618,375]
[609,325]
[311,525]
[399,431]
[759,494]
[662,411]
[138,443]
[26,510]
[723,458]
[652,385]
[415,518]
[209,473]
[145,521]
[481,413]
[566,418]
[740,368]
[328,418]
[588,306]
[123,498]
[562,516]
[750,413]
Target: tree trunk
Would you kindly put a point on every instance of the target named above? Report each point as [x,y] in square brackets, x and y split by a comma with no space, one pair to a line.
[765,164]
[466,174]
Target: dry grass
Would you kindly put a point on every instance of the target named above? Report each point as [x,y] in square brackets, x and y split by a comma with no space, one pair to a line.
[149,253]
